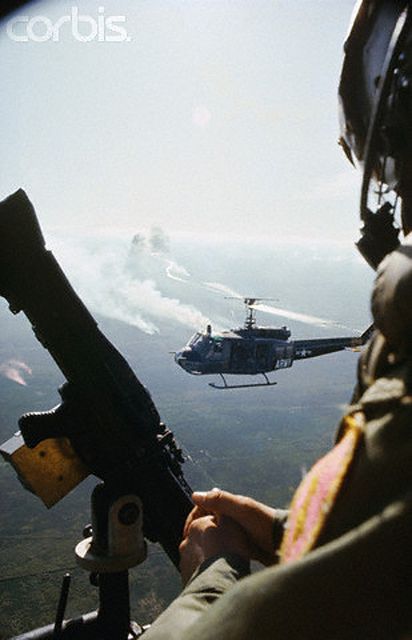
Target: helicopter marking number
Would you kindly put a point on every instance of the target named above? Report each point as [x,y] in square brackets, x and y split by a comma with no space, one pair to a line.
[284,363]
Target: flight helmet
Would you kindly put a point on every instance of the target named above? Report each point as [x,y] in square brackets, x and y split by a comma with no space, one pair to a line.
[375,97]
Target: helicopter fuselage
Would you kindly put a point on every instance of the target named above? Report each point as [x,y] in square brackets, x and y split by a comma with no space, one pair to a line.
[253,350]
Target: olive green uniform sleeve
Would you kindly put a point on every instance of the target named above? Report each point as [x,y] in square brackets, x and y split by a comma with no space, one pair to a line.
[356,587]
[208,583]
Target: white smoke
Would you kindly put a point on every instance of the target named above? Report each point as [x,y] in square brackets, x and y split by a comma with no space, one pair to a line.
[222,288]
[124,278]
[175,271]
[119,278]
[158,240]
[15,370]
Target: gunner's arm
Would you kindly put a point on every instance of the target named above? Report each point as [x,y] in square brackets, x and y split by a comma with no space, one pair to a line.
[357,586]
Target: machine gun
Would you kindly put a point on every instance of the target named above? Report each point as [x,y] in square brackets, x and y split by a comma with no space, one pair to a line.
[106,424]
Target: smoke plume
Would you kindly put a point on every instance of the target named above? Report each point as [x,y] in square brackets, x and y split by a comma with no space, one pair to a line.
[123,278]
[15,370]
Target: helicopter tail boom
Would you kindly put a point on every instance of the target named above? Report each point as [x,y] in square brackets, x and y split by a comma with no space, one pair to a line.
[318,347]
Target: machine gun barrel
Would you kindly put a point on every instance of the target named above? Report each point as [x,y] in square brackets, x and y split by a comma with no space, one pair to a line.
[106,413]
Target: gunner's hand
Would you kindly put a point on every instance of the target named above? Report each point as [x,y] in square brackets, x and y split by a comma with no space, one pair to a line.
[255,518]
[206,537]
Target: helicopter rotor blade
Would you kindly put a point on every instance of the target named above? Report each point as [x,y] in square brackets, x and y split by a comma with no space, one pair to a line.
[299,317]
[276,311]
[249,301]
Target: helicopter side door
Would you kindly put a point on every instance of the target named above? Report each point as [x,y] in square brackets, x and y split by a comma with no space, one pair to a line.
[242,358]
[264,352]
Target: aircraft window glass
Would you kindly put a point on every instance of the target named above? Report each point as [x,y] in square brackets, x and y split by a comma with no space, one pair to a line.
[196,339]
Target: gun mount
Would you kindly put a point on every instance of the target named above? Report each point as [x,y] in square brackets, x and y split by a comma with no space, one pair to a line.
[107,423]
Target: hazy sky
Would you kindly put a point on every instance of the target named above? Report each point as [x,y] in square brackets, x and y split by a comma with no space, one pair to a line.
[213,116]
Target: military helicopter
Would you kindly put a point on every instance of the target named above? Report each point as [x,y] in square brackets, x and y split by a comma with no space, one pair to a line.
[253,350]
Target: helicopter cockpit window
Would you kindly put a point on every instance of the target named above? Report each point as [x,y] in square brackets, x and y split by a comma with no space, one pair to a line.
[197,339]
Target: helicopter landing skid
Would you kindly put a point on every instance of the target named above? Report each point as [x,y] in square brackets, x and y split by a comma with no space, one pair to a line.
[225,385]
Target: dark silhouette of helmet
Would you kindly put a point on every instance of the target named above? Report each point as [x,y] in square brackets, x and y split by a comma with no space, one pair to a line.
[375,94]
